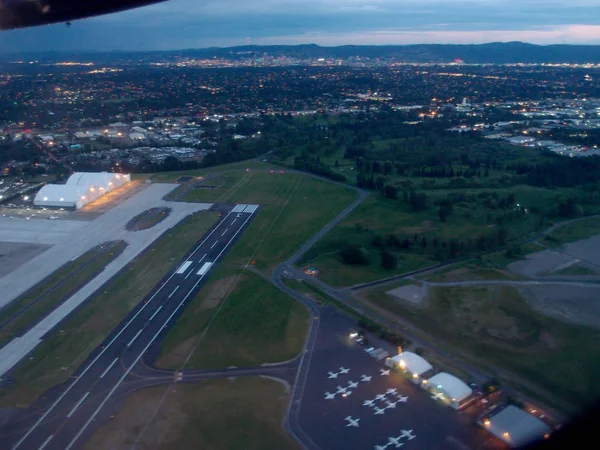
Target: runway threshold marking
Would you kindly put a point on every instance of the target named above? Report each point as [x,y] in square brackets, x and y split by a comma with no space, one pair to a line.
[46,442]
[90,365]
[155,313]
[78,404]
[135,337]
[109,367]
[174,290]
[130,368]
[216,242]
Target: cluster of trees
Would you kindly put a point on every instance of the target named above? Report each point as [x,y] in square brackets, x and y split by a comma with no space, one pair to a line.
[383,333]
[314,165]
[559,171]
[388,247]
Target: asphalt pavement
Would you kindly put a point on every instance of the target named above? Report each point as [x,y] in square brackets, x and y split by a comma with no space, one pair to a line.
[67,422]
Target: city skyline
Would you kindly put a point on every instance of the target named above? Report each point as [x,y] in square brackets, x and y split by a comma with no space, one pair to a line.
[178,24]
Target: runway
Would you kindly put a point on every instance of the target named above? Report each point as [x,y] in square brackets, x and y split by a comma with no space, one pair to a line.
[67,422]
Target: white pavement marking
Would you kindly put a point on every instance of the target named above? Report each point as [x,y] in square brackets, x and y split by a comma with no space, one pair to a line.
[233,221]
[225,232]
[192,271]
[184,267]
[43,416]
[46,442]
[174,290]
[155,313]
[250,208]
[78,404]
[109,367]
[116,386]
[204,268]
[135,337]
[216,242]
[238,208]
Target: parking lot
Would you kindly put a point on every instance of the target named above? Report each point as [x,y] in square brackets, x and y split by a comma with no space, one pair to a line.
[352,401]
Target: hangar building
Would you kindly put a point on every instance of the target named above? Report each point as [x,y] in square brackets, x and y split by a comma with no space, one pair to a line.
[412,364]
[80,189]
[515,427]
[449,389]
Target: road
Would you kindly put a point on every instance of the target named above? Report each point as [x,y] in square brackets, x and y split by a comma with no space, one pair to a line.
[66,423]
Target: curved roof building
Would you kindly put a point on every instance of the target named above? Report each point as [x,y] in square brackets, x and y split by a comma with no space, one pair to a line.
[452,389]
[80,189]
[411,363]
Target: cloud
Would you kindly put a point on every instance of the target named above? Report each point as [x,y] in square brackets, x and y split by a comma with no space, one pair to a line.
[200,23]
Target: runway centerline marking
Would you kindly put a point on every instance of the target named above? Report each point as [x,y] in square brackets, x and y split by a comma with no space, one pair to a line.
[46,442]
[233,221]
[78,404]
[214,245]
[116,386]
[155,313]
[109,367]
[225,232]
[90,365]
[174,290]
[135,337]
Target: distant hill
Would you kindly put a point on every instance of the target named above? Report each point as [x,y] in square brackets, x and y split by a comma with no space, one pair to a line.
[494,53]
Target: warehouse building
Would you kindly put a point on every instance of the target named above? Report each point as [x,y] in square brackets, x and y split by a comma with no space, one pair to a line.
[80,189]
[514,426]
[412,364]
[449,389]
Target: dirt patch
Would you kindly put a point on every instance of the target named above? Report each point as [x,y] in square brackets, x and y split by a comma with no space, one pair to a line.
[414,294]
[217,291]
[570,304]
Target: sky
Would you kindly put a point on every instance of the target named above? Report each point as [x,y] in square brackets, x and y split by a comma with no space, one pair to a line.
[179,24]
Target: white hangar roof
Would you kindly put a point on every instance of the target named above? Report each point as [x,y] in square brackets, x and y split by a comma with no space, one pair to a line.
[80,189]
[450,385]
[60,193]
[517,427]
[412,362]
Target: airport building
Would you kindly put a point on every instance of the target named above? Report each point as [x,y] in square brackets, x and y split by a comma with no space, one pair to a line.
[515,427]
[449,389]
[412,364]
[80,189]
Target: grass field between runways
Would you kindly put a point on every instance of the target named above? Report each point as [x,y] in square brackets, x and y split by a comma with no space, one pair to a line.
[257,324]
[242,413]
[57,357]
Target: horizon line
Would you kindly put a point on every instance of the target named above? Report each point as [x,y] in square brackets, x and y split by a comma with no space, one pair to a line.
[312,44]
